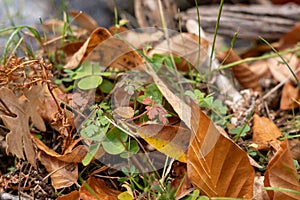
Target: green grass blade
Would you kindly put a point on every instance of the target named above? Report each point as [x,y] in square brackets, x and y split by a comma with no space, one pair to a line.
[283,60]
[215,34]
[282,190]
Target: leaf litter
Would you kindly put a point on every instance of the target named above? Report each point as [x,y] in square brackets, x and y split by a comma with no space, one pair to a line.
[41,122]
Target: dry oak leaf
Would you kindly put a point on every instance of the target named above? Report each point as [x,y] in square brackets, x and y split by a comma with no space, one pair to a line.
[281,173]
[288,97]
[215,164]
[63,174]
[19,137]
[99,190]
[265,133]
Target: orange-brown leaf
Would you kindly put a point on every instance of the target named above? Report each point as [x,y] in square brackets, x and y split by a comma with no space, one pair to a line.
[265,133]
[76,155]
[291,38]
[288,97]
[281,173]
[242,73]
[100,190]
[116,53]
[96,37]
[180,183]
[215,164]
[84,20]
[63,174]
[74,195]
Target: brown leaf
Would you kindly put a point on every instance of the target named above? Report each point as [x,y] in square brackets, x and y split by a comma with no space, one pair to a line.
[260,68]
[63,174]
[279,69]
[281,173]
[19,136]
[100,190]
[242,72]
[215,164]
[291,38]
[74,195]
[180,107]
[71,48]
[84,20]
[180,182]
[148,15]
[116,53]
[265,133]
[75,155]
[170,140]
[186,47]
[35,95]
[96,37]
[288,97]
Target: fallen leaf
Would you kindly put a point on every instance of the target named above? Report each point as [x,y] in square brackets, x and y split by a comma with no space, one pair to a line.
[281,173]
[75,155]
[173,141]
[288,97]
[99,190]
[279,69]
[215,164]
[19,136]
[180,181]
[260,68]
[74,195]
[291,38]
[185,46]
[265,133]
[242,72]
[116,53]
[141,38]
[84,20]
[148,14]
[179,106]
[295,148]
[125,112]
[35,95]
[97,36]
[63,174]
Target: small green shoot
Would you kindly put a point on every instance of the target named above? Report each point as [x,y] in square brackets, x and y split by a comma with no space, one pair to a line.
[218,109]
[240,131]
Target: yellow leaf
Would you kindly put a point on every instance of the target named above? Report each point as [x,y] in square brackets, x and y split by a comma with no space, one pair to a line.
[173,141]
